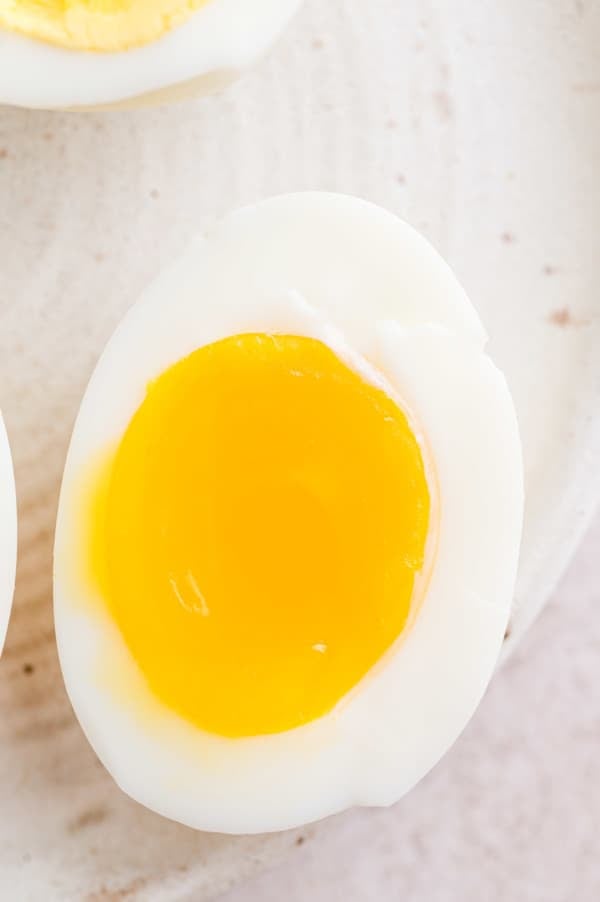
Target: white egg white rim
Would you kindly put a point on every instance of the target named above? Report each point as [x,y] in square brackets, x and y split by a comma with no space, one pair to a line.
[351,756]
[225,36]
[8,532]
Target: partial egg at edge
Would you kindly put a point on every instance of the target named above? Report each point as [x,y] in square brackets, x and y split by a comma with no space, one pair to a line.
[359,268]
[8,532]
[201,55]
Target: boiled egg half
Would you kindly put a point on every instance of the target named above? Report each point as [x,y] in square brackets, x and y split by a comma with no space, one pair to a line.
[84,54]
[8,532]
[289,523]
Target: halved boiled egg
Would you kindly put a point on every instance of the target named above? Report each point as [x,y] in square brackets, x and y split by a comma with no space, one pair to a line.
[289,522]
[86,54]
[8,532]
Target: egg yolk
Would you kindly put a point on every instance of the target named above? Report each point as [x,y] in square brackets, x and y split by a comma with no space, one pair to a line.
[103,25]
[265,521]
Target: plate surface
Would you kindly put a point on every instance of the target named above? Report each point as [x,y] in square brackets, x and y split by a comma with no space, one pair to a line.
[479,124]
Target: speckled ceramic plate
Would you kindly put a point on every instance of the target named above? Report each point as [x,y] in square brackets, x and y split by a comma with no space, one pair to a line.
[477,122]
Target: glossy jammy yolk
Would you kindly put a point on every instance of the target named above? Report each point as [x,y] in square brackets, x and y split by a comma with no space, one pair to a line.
[265,520]
[103,25]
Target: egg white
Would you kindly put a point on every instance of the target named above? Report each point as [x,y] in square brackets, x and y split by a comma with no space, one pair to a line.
[339,269]
[8,532]
[209,49]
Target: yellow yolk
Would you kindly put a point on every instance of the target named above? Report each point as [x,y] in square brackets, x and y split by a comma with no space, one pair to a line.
[264,522]
[104,25]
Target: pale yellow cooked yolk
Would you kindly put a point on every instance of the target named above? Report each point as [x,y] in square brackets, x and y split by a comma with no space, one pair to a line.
[265,518]
[103,25]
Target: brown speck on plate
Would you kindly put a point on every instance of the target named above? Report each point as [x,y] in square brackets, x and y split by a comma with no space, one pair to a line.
[563,317]
[586,87]
[130,891]
[88,818]
[443,104]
